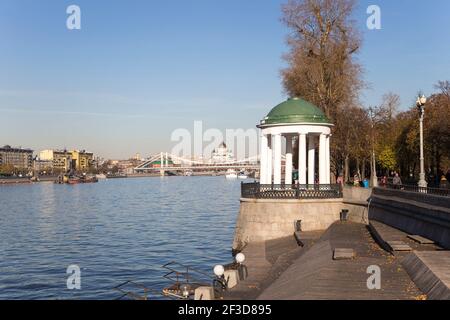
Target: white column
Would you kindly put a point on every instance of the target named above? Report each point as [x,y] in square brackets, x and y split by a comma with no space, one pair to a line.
[328,163]
[263,159]
[302,159]
[269,170]
[322,160]
[277,159]
[288,169]
[311,159]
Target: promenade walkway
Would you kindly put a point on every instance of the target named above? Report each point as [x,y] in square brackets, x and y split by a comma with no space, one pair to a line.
[312,273]
[267,261]
[315,275]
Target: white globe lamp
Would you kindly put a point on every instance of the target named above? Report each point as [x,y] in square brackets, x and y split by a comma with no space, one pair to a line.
[219,271]
[240,258]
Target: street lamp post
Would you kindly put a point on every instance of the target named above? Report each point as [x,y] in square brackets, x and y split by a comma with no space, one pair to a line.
[421,101]
[374,163]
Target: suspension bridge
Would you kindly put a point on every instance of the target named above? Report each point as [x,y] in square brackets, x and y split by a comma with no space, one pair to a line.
[169,162]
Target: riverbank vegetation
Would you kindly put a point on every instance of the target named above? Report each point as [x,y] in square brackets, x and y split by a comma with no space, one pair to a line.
[323,68]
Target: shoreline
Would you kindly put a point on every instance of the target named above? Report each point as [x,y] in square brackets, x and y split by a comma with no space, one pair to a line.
[16,181]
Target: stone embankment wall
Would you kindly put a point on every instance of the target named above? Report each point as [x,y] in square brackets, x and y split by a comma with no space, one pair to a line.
[415,213]
[356,201]
[262,220]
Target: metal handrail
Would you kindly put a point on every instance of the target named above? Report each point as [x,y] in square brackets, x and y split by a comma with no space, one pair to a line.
[127,293]
[256,190]
[182,271]
[417,189]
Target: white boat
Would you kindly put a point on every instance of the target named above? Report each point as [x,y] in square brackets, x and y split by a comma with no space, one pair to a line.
[100,176]
[188,173]
[231,174]
[242,175]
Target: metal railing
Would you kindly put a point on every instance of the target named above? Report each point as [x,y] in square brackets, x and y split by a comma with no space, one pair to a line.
[179,274]
[256,190]
[423,190]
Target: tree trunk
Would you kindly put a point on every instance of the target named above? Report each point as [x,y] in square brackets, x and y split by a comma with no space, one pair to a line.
[358,169]
[346,169]
[363,169]
[371,168]
[438,162]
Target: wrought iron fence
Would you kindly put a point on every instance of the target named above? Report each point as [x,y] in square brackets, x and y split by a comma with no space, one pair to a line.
[423,190]
[256,190]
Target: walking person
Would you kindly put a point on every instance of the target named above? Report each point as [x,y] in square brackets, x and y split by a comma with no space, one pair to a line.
[443,182]
[340,181]
[356,180]
[397,181]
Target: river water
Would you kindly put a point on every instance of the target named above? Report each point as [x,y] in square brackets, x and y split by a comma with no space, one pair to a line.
[115,230]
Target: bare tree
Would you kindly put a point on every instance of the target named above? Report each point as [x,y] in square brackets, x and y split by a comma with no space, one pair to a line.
[389,107]
[351,142]
[321,63]
[444,88]
[322,69]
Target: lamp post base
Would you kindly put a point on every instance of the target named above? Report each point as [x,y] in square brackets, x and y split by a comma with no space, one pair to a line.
[422,182]
[374,181]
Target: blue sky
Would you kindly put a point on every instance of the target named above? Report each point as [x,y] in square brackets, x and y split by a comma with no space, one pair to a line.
[137,70]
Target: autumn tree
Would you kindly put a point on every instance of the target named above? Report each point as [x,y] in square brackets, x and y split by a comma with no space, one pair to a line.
[351,141]
[322,67]
[436,136]
[387,159]
[321,63]
[437,128]
[385,131]
[407,142]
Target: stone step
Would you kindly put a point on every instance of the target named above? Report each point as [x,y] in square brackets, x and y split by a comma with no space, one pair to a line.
[430,272]
[343,254]
[399,246]
[420,239]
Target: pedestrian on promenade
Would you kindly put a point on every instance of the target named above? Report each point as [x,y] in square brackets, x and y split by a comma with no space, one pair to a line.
[356,180]
[443,183]
[397,181]
[340,181]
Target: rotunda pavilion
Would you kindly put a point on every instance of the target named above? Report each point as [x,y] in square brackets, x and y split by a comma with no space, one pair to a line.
[295,120]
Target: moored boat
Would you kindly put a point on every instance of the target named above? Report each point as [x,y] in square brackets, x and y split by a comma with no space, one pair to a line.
[89,179]
[69,179]
[73,180]
[242,175]
[188,173]
[231,174]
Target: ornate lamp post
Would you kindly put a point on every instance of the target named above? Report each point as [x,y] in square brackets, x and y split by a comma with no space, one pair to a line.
[421,101]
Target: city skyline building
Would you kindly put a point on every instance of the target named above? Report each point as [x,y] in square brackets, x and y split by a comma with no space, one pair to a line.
[19,158]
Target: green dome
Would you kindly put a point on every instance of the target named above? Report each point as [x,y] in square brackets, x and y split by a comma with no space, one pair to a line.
[295,110]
